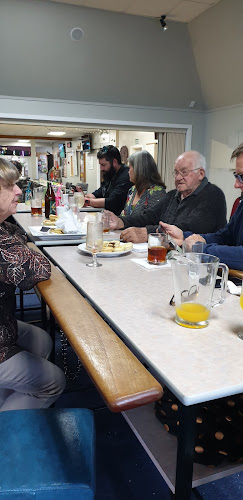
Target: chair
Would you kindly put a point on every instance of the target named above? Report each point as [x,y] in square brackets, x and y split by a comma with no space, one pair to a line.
[47,454]
[235,205]
[84,186]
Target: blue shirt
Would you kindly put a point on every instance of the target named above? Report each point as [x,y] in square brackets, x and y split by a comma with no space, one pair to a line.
[227,243]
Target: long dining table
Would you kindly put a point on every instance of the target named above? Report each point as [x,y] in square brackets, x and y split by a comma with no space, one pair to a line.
[196,365]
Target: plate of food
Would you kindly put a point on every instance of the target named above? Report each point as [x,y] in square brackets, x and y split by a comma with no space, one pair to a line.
[45,232]
[112,248]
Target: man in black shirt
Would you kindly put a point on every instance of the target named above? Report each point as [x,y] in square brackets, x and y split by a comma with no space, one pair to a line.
[112,193]
[194,203]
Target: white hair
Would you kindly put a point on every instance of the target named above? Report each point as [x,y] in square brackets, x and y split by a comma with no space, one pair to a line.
[198,159]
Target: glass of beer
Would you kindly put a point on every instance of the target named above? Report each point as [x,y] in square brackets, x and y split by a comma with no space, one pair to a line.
[158,246]
[106,222]
[36,207]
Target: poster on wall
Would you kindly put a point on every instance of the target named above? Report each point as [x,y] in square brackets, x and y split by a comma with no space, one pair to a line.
[82,167]
[72,164]
[64,167]
[89,161]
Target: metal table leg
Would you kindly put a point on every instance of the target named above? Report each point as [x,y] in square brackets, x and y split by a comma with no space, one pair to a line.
[185,452]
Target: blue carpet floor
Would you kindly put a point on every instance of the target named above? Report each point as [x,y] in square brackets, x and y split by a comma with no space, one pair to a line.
[123,469]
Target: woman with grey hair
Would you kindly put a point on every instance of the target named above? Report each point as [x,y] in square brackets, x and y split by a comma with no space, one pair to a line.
[148,186]
[27,378]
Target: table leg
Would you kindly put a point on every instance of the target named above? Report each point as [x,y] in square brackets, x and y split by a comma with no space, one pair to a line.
[185,452]
[52,334]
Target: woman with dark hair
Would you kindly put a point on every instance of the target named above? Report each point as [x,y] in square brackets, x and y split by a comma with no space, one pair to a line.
[27,378]
[148,186]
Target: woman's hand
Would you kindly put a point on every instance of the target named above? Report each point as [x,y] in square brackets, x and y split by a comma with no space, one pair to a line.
[173,231]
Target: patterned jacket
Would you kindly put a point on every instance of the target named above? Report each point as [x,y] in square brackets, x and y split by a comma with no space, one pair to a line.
[19,266]
[149,198]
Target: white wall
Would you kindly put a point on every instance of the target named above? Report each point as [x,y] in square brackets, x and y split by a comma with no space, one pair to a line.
[128,138]
[122,59]
[224,132]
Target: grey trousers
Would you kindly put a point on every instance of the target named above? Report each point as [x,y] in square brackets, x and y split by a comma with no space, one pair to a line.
[28,379]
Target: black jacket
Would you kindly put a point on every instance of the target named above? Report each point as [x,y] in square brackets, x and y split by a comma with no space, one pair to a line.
[115,190]
[202,211]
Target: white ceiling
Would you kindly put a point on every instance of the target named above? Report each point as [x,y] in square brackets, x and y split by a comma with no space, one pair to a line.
[24,131]
[182,11]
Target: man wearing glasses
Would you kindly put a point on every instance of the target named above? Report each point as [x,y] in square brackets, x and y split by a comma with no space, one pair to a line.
[112,193]
[194,203]
[227,244]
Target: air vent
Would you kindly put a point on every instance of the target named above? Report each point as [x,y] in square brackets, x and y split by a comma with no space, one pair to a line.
[76,34]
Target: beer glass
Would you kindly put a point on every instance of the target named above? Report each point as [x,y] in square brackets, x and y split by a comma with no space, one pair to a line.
[158,246]
[106,222]
[194,276]
[94,241]
[36,203]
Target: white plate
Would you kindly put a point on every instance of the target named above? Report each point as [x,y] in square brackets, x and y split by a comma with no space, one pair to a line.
[82,247]
[43,235]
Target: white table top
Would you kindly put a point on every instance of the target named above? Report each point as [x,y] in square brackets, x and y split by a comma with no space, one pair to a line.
[197,365]
[25,220]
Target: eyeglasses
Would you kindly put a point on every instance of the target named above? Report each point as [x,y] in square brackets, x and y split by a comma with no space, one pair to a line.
[239,177]
[183,173]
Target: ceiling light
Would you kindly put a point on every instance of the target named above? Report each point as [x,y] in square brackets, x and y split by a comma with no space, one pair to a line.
[23,140]
[163,23]
[56,133]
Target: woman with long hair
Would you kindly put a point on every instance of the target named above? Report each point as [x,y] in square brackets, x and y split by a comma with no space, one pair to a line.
[148,186]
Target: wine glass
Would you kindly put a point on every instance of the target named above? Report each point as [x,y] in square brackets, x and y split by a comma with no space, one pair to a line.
[240,335]
[94,241]
[79,199]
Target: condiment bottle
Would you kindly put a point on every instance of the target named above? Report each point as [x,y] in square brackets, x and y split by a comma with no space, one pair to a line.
[50,205]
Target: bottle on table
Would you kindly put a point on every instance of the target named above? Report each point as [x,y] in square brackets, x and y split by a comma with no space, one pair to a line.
[50,205]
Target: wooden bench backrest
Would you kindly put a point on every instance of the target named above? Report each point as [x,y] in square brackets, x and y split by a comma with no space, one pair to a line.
[121,379]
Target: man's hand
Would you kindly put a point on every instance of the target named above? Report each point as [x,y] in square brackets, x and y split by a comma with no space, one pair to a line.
[191,240]
[89,196]
[134,234]
[173,231]
[115,222]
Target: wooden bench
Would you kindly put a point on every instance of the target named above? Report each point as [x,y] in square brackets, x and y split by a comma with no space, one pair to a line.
[235,273]
[120,378]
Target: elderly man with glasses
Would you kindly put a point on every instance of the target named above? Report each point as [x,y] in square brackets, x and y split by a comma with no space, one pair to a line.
[227,243]
[195,203]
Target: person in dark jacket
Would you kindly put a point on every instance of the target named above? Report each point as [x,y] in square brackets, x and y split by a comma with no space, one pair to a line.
[194,203]
[112,193]
[227,243]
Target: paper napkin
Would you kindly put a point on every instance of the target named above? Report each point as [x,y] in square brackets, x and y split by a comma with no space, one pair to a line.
[144,263]
[232,288]
[140,247]
[68,223]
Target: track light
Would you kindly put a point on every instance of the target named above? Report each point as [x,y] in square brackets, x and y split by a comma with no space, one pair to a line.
[163,23]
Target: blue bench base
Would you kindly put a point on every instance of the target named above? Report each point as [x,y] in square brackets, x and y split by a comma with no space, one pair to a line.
[47,454]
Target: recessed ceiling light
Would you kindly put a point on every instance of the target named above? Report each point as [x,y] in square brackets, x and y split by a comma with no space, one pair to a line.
[23,140]
[56,133]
